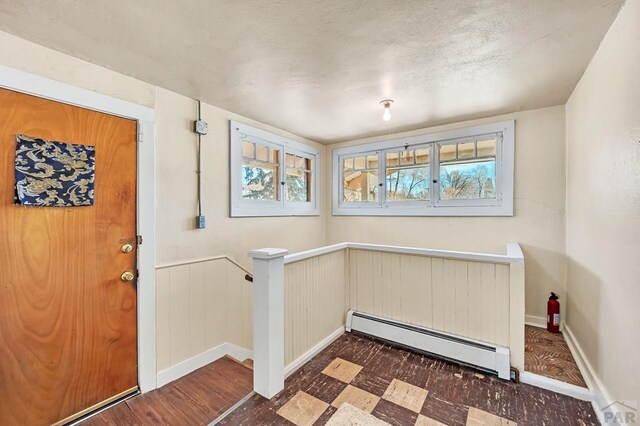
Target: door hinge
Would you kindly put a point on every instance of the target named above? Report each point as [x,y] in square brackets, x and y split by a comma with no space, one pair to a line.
[140,133]
[137,273]
[139,240]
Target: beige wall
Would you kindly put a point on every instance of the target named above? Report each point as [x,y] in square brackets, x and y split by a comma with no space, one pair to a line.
[202,305]
[538,223]
[539,189]
[176,183]
[177,240]
[603,208]
[603,201]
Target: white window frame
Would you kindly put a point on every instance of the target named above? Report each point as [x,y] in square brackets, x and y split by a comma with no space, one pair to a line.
[413,204]
[363,204]
[501,205]
[241,207]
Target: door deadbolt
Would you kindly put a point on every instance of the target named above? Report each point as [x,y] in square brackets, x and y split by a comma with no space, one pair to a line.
[127,276]
[126,248]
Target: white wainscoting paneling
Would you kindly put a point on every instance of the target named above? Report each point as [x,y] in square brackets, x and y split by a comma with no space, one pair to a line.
[466,298]
[201,306]
[315,301]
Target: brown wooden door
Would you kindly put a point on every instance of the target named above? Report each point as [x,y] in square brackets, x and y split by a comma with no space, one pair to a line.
[67,321]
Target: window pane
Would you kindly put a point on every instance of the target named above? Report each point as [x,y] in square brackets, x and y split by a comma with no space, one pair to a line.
[423,156]
[262,152]
[486,148]
[298,185]
[468,180]
[372,161]
[392,159]
[407,184]
[406,157]
[259,181]
[360,185]
[466,150]
[248,149]
[347,163]
[359,163]
[447,152]
[291,160]
[273,155]
[298,178]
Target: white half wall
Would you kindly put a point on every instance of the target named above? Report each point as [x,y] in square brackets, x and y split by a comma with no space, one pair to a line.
[200,306]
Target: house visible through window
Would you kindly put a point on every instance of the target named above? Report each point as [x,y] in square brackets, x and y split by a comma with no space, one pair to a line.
[360,178]
[467,172]
[271,175]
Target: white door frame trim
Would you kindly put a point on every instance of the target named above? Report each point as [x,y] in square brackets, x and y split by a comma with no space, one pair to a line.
[31,84]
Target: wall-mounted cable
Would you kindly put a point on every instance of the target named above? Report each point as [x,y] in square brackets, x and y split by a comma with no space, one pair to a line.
[200,127]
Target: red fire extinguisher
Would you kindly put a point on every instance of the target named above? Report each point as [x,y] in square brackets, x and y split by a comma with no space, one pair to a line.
[553,314]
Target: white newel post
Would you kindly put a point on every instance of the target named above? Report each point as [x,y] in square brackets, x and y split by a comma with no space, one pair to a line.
[516,306]
[268,320]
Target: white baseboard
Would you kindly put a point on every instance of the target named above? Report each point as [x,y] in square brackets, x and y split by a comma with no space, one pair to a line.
[578,355]
[300,361]
[534,321]
[557,386]
[187,366]
[237,352]
[602,401]
[540,322]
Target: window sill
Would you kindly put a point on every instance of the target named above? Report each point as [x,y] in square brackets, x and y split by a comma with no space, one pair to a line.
[496,211]
[253,212]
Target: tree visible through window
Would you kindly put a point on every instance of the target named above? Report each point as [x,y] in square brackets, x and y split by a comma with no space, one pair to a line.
[468,170]
[260,166]
[408,175]
[460,172]
[271,175]
[298,179]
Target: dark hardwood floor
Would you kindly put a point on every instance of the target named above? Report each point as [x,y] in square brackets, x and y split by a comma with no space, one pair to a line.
[402,387]
[196,399]
[395,385]
[548,354]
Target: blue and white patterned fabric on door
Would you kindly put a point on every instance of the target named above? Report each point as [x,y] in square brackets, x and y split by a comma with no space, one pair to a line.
[54,174]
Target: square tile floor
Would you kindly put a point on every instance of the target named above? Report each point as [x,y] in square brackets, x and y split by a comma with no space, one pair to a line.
[357,397]
[303,409]
[406,395]
[401,387]
[342,370]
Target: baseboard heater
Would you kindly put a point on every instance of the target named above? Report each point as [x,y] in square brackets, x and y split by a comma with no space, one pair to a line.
[486,357]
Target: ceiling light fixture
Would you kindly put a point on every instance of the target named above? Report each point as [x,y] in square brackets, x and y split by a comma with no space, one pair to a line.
[386,116]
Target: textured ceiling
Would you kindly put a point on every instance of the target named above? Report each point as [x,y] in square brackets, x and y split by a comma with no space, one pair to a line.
[318,68]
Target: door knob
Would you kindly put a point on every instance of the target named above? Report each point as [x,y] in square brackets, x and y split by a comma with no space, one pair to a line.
[127,276]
